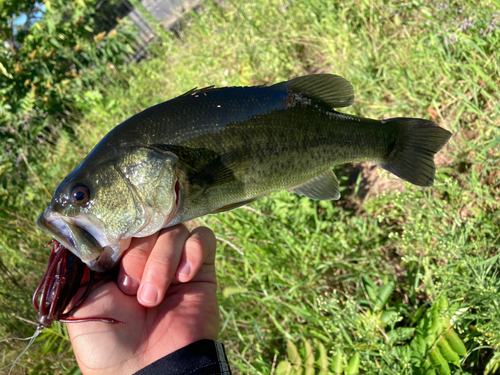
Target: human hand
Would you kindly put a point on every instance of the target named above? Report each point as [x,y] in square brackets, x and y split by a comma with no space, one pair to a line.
[180,309]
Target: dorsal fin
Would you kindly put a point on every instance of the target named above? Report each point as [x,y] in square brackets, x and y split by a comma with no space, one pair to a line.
[196,91]
[333,90]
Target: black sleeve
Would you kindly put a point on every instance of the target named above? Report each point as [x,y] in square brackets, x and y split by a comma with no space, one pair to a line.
[204,357]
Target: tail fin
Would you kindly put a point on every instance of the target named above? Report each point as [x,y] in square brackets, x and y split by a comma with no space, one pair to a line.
[411,156]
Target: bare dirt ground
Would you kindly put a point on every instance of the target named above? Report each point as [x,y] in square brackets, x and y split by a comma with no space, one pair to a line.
[375,180]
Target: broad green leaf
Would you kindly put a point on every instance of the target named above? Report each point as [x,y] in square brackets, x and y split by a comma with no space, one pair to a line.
[454,341]
[438,362]
[353,365]
[370,287]
[293,353]
[284,368]
[447,352]
[309,358]
[322,361]
[337,363]
[383,295]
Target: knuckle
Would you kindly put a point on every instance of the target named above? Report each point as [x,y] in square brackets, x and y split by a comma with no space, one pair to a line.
[160,260]
[141,250]
[176,230]
[136,255]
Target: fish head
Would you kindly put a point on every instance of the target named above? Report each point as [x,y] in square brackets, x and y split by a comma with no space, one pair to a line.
[105,201]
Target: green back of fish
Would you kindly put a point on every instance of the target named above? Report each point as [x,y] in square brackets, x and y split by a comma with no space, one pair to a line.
[238,144]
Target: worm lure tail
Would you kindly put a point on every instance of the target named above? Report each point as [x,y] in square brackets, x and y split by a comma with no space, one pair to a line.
[59,285]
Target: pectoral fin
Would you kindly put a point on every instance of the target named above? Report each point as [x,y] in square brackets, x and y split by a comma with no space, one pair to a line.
[232,206]
[324,187]
[223,168]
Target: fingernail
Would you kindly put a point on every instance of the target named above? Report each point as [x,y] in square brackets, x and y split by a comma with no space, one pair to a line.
[130,285]
[184,269]
[149,293]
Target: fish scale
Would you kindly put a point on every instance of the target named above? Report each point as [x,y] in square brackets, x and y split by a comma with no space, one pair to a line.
[278,149]
[212,150]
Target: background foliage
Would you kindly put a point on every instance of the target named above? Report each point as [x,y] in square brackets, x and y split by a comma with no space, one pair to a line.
[54,65]
[374,283]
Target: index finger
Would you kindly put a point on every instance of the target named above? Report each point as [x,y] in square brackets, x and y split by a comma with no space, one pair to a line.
[161,265]
[154,258]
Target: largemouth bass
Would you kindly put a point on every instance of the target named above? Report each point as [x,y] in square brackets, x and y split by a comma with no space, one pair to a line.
[215,149]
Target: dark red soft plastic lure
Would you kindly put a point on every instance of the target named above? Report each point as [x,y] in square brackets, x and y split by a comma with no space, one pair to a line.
[61,282]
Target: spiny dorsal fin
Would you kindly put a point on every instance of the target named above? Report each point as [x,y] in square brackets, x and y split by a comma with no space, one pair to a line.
[197,91]
[334,90]
[324,187]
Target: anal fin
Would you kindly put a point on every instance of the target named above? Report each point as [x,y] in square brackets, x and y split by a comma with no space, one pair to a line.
[324,187]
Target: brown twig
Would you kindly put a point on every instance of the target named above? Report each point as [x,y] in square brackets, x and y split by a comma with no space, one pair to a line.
[11,277]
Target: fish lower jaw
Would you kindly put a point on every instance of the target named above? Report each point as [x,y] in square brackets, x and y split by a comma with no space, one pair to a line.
[54,225]
[75,238]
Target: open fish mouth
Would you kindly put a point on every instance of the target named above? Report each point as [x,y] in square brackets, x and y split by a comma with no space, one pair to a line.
[75,238]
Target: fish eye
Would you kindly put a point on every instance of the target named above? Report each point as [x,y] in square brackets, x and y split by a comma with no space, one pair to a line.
[80,194]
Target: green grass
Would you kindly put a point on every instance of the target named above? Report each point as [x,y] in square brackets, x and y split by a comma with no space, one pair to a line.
[297,273]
